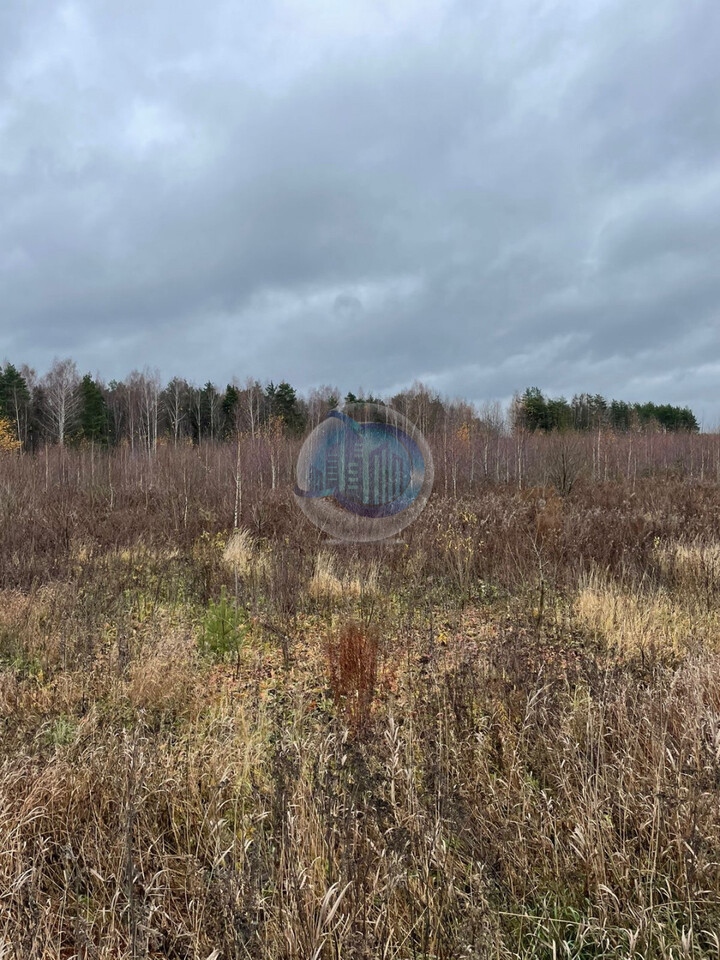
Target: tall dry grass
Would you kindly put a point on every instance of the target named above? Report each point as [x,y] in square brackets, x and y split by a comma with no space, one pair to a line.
[646,618]
[499,738]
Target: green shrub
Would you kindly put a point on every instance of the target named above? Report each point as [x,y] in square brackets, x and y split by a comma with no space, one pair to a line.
[224,629]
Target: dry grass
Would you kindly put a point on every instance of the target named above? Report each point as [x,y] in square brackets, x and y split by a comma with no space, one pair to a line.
[330,583]
[645,619]
[692,568]
[404,763]
[244,555]
[690,559]
[165,680]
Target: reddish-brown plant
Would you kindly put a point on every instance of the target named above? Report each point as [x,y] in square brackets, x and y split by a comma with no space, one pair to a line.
[352,659]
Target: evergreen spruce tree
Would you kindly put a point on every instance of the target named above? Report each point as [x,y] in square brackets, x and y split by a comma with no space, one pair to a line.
[15,400]
[534,411]
[229,409]
[93,419]
[284,404]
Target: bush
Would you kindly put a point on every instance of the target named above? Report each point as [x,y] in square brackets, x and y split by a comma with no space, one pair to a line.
[225,627]
[352,656]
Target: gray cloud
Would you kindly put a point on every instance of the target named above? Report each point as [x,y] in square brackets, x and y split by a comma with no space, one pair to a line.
[363,194]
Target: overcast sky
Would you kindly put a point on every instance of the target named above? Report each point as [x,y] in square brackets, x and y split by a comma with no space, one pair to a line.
[481,195]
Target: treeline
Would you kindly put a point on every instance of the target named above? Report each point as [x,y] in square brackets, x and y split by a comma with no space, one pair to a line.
[534,411]
[141,411]
[64,407]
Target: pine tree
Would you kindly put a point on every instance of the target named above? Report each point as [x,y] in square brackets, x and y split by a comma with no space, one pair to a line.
[230,410]
[93,418]
[559,414]
[620,415]
[533,409]
[14,400]
[284,404]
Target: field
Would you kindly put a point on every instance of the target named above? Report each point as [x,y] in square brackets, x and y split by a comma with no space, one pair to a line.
[223,737]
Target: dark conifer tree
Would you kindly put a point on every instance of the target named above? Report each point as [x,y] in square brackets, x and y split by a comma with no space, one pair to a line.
[283,403]
[230,401]
[15,400]
[93,418]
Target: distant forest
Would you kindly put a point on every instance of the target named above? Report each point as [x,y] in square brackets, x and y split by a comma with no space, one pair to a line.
[534,411]
[64,407]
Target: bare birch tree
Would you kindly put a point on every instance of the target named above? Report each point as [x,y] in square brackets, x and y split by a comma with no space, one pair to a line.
[250,403]
[61,398]
[175,401]
[150,406]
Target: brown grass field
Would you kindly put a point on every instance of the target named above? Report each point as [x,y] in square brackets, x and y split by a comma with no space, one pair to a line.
[223,737]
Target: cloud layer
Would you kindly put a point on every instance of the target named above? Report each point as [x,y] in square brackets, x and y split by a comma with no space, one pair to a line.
[482,196]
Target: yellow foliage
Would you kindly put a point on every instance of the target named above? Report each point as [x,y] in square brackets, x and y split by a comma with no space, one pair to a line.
[8,440]
[463,434]
[274,428]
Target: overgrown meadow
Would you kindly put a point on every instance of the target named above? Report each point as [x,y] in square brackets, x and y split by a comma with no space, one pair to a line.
[223,737]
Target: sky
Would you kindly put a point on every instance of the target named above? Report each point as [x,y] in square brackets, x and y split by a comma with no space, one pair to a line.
[479,195]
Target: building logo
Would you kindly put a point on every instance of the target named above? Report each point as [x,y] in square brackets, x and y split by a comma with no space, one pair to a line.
[364,473]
